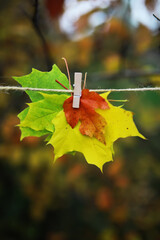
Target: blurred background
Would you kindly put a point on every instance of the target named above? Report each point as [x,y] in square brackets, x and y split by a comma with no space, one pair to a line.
[118,43]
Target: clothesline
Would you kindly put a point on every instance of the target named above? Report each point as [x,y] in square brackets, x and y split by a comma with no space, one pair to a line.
[14,88]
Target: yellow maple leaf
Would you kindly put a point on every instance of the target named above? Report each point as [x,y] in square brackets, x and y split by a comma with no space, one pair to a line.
[65,139]
[120,124]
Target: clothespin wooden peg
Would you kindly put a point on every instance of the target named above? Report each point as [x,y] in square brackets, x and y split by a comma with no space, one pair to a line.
[77,89]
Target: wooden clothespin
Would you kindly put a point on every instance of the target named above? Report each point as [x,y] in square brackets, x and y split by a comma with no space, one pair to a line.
[77,89]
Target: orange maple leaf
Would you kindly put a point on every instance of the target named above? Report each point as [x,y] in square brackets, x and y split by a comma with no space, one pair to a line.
[92,123]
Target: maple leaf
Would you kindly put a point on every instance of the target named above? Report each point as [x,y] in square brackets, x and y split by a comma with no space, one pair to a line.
[120,123]
[65,139]
[40,114]
[26,131]
[92,123]
[36,120]
[38,79]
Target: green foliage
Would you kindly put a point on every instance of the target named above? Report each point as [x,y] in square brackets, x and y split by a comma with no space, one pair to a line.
[27,131]
[38,79]
[36,120]
[40,114]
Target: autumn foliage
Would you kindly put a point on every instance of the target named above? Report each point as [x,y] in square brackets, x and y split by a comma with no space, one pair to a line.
[92,123]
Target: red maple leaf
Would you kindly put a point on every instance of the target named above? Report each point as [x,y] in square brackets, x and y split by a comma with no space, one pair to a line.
[92,123]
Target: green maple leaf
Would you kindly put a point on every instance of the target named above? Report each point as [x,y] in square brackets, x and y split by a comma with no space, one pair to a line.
[41,113]
[26,131]
[38,79]
[36,120]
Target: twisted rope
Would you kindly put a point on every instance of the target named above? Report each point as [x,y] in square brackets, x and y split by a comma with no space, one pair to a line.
[12,88]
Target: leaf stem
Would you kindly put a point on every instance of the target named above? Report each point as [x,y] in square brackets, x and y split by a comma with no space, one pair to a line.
[112,100]
[62,85]
[69,78]
[85,79]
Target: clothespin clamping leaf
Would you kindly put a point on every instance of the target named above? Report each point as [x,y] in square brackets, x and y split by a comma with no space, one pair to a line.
[77,89]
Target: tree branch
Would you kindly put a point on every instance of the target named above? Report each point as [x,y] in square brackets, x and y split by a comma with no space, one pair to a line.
[35,23]
[156,17]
